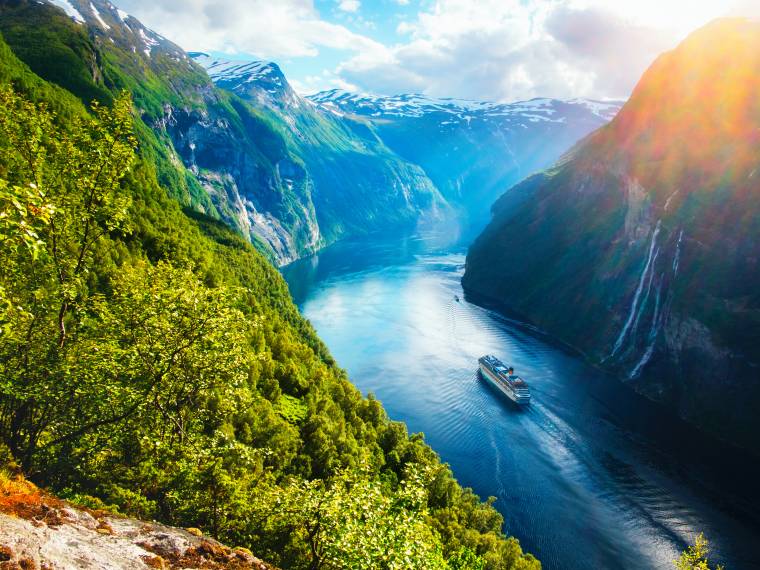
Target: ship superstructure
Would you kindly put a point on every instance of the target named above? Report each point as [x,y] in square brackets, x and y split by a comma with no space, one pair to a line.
[504,379]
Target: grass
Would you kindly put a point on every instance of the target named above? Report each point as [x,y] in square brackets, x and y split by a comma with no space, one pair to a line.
[291,409]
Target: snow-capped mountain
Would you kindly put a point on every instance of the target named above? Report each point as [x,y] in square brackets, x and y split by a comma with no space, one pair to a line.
[473,150]
[121,29]
[262,80]
[298,172]
[415,105]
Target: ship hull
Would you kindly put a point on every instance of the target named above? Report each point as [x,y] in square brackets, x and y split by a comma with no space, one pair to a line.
[489,377]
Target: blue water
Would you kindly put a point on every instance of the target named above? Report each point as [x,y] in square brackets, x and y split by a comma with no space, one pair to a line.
[590,476]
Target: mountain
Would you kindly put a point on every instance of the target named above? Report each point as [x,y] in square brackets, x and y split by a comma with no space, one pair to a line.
[357,184]
[293,174]
[259,81]
[473,150]
[641,247]
[260,158]
[153,363]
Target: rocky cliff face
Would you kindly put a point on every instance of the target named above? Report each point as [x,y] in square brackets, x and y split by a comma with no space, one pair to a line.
[473,150]
[356,183]
[40,532]
[252,153]
[641,247]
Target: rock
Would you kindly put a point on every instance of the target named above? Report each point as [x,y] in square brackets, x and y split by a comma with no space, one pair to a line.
[40,532]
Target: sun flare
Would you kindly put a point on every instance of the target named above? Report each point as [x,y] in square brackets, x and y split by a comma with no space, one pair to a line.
[679,16]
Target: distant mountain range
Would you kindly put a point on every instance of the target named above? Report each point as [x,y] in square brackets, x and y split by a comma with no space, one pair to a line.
[294,174]
[642,247]
[473,150]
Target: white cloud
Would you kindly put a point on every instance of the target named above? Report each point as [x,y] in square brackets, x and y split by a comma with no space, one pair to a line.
[272,30]
[479,49]
[322,82]
[513,49]
[748,8]
[349,5]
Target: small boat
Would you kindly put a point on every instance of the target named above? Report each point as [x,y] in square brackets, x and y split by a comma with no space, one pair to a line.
[503,378]
[456,298]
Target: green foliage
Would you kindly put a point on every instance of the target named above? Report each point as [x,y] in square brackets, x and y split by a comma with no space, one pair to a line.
[292,409]
[695,557]
[466,559]
[155,362]
[350,521]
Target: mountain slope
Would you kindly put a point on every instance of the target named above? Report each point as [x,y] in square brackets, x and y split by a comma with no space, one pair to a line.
[473,150]
[239,158]
[641,247]
[154,364]
[359,185]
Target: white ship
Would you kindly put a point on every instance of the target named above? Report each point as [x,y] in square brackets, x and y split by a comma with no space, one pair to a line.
[503,378]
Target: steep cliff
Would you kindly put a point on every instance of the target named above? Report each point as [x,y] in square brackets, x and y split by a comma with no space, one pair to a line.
[640,248]
[358,184]
[290,179]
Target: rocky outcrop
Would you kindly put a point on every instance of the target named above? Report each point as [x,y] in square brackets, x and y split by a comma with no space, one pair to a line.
[255,185]
[641,248]
[41,532]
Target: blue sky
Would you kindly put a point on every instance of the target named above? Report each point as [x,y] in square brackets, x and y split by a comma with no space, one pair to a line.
[502,50]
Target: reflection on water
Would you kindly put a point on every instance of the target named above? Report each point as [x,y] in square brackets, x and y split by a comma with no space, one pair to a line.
[589,476]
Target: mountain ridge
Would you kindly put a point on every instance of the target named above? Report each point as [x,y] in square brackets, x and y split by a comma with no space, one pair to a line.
[473,150]
[640,246]
[293,174]
[238,157]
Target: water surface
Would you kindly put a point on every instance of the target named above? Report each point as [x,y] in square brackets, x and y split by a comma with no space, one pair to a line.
[590,476]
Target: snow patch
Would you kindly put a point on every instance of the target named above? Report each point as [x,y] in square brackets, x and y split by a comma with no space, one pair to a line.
[71,12]
[148,41]
[98,18]
[603,109]
[539,110]
[240,71]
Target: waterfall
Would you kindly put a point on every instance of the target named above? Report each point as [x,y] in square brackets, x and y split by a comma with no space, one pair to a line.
[652,337]
[643,305]
[677,256]
[635,303]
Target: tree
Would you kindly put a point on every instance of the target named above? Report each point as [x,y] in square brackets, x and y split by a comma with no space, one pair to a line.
[61,194]
[351,521]
[155,362]
[466,559]
[695,557]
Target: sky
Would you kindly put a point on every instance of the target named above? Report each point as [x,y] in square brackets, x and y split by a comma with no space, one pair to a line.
[491,50]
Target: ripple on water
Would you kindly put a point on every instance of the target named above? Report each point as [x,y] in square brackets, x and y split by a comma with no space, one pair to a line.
[579,481]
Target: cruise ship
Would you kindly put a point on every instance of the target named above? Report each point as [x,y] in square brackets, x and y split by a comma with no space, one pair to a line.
[503,378]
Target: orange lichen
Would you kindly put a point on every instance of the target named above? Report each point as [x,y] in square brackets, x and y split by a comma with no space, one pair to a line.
[20,498]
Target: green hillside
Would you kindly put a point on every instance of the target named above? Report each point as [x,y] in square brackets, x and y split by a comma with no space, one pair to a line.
[152,362]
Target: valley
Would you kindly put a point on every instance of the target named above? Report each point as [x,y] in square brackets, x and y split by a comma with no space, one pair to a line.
[251,303]
[589,475]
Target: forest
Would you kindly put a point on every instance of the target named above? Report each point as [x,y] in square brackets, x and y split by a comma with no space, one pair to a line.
[152,363]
